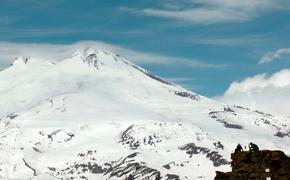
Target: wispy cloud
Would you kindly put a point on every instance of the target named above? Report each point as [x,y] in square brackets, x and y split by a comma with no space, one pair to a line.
[34,3]
[180,79]
[7,20]
[211,11]
[226,41]
[186,82]
[28,33]
[6,33]
[272,56]
[57,52]
[148,58]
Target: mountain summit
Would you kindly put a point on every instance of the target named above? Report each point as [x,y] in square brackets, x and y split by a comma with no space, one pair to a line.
[95,115]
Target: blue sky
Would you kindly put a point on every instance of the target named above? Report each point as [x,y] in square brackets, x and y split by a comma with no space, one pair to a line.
[223,39]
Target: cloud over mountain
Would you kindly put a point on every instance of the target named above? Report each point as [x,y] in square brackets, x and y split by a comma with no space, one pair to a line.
[269,93]
[44,51]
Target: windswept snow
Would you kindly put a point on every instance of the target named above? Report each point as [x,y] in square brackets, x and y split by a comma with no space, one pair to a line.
[95,115]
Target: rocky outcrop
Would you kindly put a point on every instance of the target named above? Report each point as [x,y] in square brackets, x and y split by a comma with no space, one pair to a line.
[265,164]
[213,156]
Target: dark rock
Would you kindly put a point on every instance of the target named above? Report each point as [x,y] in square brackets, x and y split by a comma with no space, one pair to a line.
[92,59]
[241,107]
[218,145]
[68,137]
[229,125]
[35,149]
[132,155]
[128,139]
[188,95]
[214,156]
[30,167]
[172,177]
[158,176]
[151,75]
[96,169]
[262,113]
[228,109]
[216,115]
[51,168]
[259,165]
[281,134]
[12,116]
[166,166]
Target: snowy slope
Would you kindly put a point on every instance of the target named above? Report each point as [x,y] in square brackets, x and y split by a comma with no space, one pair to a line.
[97,116]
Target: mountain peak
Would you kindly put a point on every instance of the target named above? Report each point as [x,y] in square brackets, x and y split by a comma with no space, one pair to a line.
[88,115]
[97,58]
[85,52]
[32,62]
[22,60]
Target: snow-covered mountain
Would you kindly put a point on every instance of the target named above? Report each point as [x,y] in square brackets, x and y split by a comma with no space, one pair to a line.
[97,116]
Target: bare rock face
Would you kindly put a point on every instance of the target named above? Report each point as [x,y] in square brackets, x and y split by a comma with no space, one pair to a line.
[265,164]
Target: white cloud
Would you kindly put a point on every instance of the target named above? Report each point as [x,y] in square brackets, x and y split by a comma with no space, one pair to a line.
[261,92]
[272,56]
[211,11]
[199,15]
[56,52]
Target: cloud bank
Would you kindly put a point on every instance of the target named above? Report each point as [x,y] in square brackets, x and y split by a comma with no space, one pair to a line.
[261,92]
[57,52]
